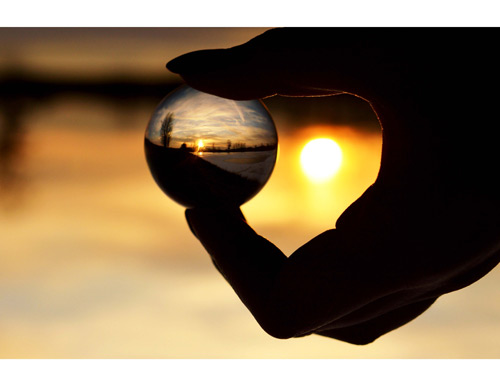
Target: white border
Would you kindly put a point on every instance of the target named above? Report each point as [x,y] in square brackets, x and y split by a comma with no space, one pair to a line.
[250,372]
[252,13]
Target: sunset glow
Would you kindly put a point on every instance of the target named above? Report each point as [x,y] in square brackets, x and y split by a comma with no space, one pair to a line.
[98,262]
[320,159]
[201,119]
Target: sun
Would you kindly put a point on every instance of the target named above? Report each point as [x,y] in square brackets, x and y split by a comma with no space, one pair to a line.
[321,159]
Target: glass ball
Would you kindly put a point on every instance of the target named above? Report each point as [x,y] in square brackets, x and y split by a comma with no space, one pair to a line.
[207,151]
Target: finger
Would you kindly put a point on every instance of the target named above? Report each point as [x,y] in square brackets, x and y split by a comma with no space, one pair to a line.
[367,332]
[292,62]
[249,262]
[231,241]
[469,275]
[236,212]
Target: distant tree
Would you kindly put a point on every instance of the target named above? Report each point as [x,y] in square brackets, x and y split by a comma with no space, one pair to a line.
[239,145]
[228,145]
[166,130]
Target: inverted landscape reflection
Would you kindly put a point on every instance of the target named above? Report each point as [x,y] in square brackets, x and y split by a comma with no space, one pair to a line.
[203,150]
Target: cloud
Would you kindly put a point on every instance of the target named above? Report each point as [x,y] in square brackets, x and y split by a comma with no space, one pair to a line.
[213,119]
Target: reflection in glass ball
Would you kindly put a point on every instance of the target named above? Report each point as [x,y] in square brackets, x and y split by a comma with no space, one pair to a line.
[206,151]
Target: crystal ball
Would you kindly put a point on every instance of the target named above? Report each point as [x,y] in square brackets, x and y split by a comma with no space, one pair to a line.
[207,151]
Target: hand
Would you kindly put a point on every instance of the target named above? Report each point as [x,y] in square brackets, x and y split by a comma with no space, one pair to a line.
[430,222]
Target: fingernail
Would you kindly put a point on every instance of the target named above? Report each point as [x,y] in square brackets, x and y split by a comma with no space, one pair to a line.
[175,65]
[189,62]
[199,61]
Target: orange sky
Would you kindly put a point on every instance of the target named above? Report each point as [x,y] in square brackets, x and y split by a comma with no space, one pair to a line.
[88,52]
[96,262]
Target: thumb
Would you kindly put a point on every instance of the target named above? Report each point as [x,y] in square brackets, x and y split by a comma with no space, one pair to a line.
[291,62]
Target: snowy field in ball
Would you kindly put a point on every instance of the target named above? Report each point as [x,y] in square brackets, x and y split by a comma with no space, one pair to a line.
[254,165]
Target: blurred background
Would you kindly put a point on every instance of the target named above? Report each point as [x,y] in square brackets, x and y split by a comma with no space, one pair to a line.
[96,262]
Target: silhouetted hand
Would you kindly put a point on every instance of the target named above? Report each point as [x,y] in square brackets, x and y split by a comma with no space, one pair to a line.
[430,224]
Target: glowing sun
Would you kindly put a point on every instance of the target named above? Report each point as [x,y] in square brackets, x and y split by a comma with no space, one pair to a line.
[200,145]
[320,159]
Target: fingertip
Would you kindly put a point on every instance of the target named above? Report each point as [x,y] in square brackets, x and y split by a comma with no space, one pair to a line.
[212,216]
[232,73]
[199,62]
[182,64]
[175,65]
[171,67]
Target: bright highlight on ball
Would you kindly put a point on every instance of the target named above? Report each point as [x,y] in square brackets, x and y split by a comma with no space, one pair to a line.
[321,159]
